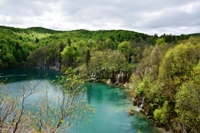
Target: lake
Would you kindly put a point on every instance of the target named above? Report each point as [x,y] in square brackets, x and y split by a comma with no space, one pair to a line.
[110,103]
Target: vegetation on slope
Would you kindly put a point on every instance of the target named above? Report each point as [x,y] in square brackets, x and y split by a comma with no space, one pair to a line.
[163,70]
[168,78]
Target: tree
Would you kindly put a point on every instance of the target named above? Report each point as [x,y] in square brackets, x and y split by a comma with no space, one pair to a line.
[188,103]
[7,108]
[115,60]
[160,41]
[96,61]
[9,59]
[13,111]
[37,40]
[71,108]
[87,59]
[176,66]
[161,114]
[18,56]
[69,41]
[38,56]
[70,54]
[124,47]
[156,56]
[67,109]
[17,46]
[110,44]
[91,44]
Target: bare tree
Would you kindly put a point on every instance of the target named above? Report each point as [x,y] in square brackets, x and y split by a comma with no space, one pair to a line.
[63,109]
[67,109]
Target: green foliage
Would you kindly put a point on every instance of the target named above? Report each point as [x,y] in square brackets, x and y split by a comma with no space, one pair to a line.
[161,114]
[164,69]
[188,102]
[177,65]
[9,59]
[110,44]
[110,60]
[28,40]
[87,59]
[70,54]
[18,56]
[160,41]
[124,47]
[140,88]
[87,56]
[19,43]
[168,77]
[91,44]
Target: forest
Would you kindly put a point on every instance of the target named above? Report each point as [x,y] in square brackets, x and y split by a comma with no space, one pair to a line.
[163,70]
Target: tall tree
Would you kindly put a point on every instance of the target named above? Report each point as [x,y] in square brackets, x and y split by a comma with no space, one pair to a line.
[70,54]
[69,41]
[87,59]
[188,104]
[124,47]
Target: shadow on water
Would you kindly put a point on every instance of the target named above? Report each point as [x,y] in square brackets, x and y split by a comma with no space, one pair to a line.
[24,74]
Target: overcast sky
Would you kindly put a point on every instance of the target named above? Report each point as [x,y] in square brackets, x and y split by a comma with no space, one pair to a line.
[147,16]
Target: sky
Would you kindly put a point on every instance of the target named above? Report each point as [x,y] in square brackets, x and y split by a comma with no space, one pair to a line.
[147,16]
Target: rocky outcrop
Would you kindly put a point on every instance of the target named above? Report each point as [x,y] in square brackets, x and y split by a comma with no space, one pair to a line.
[46,65]
[119,77]
[131,112]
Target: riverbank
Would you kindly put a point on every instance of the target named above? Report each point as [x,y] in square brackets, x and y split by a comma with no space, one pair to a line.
[52,74]
[109,102]
[136,102]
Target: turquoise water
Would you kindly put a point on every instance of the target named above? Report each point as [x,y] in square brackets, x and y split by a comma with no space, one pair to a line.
[109,102]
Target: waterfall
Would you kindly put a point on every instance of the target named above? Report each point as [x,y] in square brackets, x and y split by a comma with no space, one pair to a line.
[118,77]
[58,66]
[142,104]
[122,77]
[94,77]
[44,64]
[137,109]
[127,77]
[109,81]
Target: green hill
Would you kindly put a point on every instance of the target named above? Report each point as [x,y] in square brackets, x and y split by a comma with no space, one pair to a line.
[16,44]
[162,73]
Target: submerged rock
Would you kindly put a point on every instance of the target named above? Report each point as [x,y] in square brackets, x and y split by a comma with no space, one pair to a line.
[131,112]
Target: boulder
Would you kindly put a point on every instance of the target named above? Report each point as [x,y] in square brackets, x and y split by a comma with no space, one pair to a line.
[131,112]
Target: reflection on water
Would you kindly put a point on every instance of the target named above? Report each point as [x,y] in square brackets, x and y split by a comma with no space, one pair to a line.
[111,112]
[21,74]
[109,102]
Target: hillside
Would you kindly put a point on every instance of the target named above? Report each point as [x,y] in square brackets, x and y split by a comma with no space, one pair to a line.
[161,74]
[16,44]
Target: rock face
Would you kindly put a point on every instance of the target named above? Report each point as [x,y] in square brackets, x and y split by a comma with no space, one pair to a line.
[138,104]
[119,77]
[109,81]
[46,65]
[131,112]
[115,77]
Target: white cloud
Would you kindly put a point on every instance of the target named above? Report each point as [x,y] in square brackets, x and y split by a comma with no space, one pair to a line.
[152,16]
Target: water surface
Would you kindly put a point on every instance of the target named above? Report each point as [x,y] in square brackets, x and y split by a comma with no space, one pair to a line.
[109,102]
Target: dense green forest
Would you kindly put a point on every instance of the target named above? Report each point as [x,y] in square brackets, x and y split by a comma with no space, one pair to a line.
[168,78]
[163,70]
